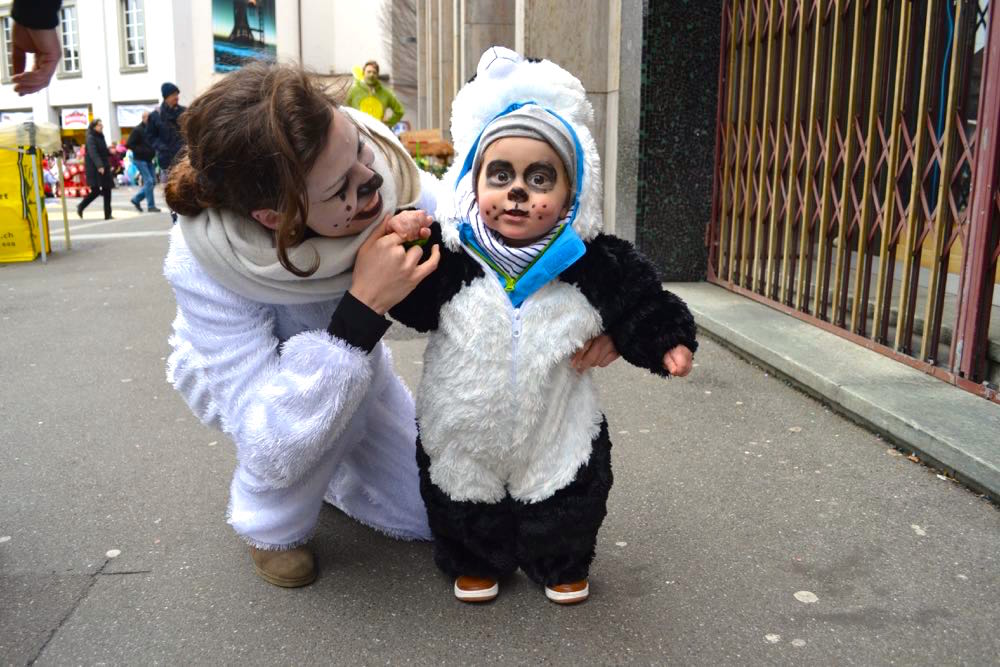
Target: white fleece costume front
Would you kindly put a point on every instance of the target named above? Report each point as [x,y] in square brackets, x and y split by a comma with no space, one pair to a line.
[312,417]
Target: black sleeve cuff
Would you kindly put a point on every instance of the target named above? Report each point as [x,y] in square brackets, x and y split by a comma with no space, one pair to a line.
[36,14]
[356,324]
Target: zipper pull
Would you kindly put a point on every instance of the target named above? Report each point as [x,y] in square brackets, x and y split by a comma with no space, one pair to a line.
[509,287]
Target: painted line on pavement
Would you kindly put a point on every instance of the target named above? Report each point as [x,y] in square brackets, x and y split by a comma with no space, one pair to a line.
[109,235]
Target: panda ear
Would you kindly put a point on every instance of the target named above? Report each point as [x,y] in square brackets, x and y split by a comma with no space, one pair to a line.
[497,62]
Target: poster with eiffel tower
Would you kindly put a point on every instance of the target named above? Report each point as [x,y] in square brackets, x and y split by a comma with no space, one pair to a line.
[243,31]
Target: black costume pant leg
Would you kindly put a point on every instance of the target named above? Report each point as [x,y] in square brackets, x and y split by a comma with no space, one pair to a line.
[470,538]
[556,537]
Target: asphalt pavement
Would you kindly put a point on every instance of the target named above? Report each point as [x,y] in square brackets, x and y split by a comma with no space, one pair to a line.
[748,524]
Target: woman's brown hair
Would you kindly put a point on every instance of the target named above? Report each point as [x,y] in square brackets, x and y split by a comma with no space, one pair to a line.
[250,141]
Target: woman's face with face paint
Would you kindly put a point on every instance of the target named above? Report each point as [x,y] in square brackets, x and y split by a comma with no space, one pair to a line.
[342,186]
[522,189]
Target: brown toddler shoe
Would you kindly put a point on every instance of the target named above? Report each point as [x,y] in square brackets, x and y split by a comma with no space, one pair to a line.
[573,593]
[289,569]
[476,589]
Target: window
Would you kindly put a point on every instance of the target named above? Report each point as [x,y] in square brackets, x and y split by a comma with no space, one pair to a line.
[70,37]
[132,37]
[6,23]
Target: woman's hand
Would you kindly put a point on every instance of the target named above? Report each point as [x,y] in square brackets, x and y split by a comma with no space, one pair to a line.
[677,361]
[385,272]
[411,225]
[598,351]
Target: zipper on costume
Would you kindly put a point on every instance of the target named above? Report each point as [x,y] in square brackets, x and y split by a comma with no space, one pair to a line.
[509,283]
[515,337]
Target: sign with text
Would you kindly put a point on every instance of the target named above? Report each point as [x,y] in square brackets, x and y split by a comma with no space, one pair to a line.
[75,118]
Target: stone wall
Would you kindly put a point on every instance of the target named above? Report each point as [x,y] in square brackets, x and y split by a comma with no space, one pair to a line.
[680,70]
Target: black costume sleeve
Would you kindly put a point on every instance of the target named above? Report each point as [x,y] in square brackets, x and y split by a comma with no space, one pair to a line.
[643,319]
[36,14]
[421,308]
[356,324]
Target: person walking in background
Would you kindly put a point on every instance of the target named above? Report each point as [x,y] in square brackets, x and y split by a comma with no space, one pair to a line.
[163,129]
[34,31]
[369,95]
[142,156]
[97,161]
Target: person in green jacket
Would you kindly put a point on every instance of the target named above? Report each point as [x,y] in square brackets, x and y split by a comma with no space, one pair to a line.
[369,95]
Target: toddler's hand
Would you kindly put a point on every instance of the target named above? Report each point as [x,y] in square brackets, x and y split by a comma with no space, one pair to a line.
[410,225]
[677,361]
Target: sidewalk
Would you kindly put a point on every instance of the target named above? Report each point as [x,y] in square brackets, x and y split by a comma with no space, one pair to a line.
[747,524]
[946,427]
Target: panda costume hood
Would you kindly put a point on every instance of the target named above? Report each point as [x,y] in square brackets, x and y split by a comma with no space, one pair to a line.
[507,84]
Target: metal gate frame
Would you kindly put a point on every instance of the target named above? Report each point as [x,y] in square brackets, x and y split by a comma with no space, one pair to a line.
[777,214]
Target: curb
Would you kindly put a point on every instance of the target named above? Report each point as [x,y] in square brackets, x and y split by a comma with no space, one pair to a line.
[945,426]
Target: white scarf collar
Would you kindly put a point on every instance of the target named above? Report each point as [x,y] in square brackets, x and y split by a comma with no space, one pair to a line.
[240,253]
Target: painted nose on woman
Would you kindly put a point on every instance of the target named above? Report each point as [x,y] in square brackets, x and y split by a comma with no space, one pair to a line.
[369,186]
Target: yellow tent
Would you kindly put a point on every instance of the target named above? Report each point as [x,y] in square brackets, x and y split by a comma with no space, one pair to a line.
[23,220]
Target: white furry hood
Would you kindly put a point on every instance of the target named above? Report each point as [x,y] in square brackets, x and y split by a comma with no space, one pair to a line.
[504,79]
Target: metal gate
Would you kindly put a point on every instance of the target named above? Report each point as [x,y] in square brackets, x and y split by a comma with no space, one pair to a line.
[856,172]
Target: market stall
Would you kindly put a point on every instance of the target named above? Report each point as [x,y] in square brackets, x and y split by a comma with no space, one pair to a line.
[24,231]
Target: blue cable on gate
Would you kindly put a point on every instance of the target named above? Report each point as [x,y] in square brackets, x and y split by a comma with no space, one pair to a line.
[936,173]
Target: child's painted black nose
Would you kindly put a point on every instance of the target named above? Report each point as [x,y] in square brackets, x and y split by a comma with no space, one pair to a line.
[517,195]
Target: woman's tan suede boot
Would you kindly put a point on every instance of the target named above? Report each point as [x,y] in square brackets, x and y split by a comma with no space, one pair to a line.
[289,569]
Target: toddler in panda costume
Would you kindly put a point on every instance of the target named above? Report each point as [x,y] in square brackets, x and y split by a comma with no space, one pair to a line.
[513,449]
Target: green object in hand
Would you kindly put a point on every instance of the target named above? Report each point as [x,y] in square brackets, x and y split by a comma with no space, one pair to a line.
[419,242]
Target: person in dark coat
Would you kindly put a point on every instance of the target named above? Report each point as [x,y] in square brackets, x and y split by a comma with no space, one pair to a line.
[142,155]
[164,129]
[97,161]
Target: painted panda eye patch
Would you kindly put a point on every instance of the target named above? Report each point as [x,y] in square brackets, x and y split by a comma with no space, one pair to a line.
[499,173]
[541,176]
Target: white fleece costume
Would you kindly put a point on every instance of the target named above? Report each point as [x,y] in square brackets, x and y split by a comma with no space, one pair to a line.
[312,416]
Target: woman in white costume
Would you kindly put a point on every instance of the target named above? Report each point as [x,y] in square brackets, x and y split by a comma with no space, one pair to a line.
[282,274]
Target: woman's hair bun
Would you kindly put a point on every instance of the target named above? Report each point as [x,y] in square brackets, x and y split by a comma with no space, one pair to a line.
[183,190]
